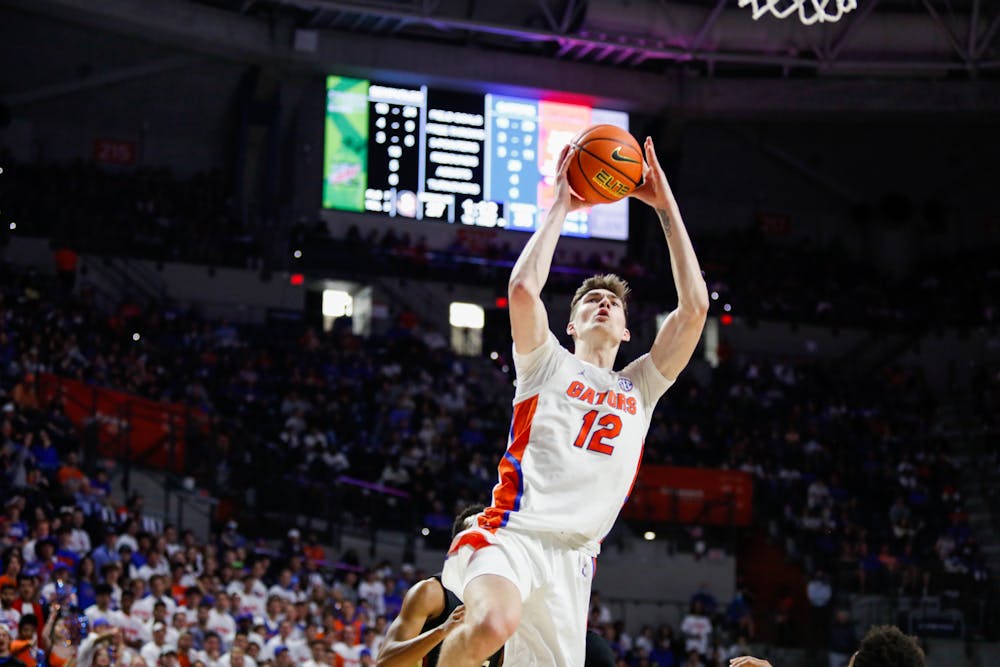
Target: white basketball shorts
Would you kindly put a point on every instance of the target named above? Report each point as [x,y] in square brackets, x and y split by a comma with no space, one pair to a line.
[554,581]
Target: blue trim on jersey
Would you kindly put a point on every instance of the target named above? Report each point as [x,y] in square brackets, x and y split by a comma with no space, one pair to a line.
[520,487]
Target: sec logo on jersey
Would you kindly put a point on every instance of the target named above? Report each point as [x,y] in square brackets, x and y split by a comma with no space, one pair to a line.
[625,384]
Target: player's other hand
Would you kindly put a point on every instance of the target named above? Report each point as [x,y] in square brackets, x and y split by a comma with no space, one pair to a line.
[454,619]
[564,193]
[655,190]
[748,661]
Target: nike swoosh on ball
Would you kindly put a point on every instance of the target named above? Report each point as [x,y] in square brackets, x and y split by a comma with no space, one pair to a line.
[617,156]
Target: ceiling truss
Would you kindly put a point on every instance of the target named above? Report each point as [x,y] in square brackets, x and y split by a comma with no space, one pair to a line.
[557,34]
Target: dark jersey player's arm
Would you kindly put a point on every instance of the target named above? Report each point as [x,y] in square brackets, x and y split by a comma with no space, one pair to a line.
[404,645]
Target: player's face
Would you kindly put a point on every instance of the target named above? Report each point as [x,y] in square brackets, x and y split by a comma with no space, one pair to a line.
[600,310]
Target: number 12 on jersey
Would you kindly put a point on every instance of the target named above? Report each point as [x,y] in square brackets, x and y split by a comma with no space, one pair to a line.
[609,426]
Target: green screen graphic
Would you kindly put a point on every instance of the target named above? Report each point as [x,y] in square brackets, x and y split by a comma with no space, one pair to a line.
[345,154]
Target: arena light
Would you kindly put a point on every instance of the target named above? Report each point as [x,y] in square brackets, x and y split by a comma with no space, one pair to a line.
[649,536]
[13,226]
[501,302]
[296,279]
[726,320]
[337,303]
[297,254]
[136,336]
[466,315]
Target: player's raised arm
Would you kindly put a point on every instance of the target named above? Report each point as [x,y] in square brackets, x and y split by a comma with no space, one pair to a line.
[678,337]
[748,661]
[529,323]
[404,645]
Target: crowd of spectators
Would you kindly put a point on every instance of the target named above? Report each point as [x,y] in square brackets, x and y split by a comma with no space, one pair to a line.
[142,212]
[849,477]
[760,277]
[151,213]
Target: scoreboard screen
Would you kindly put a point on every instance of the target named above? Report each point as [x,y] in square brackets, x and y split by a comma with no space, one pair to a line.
[460,158]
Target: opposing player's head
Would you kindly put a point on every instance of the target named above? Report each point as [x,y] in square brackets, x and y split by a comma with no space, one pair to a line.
[599,307]
[598,654]
[887,646]
[466,519]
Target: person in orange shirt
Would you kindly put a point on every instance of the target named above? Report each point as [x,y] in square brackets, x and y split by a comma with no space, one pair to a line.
[25,393]
[348,615]
[13,562]
[25,648]
[313,551]
[70,477]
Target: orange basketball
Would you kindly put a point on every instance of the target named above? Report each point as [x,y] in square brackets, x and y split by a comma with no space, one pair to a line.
[607,164]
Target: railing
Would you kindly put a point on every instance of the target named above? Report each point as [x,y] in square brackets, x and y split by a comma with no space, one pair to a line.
[128,277]
[347,506]
[189,509]
[635,612]
[111,421]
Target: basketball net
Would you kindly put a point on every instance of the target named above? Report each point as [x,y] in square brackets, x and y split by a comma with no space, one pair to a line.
[810,11]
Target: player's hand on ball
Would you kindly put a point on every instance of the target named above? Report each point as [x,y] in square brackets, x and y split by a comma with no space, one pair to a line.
[655,190]
[564,193]
[748,661]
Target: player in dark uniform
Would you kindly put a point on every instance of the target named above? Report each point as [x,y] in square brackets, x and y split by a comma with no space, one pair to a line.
[429,613]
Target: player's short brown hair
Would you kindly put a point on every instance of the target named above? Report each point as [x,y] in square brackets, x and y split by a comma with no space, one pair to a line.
[462,520]
[886,645]
[609,281]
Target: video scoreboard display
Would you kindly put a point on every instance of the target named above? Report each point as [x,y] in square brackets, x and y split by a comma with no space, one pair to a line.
[460,158]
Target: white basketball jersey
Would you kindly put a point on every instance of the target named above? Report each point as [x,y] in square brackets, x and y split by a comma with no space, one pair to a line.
[575,444]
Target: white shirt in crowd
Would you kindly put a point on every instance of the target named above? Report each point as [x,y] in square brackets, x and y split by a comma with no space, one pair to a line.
[93,612]
[247,661]
[258,588]
[251,604]
[697,629]
[143,609]
[286,593]
[126,539]
[150,652]
[296,648]
[147,571]
[132,628]
[374,593]
[351,655]
[79,542]
[10,618]
[222,624]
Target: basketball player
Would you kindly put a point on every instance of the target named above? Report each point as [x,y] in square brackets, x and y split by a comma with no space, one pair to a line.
[430,612]
[882,645]
[525,570]
[428,615]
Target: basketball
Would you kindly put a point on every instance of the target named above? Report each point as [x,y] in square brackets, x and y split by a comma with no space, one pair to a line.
[606,166]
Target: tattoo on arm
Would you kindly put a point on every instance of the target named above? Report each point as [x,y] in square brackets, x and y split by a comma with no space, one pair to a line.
[664,221]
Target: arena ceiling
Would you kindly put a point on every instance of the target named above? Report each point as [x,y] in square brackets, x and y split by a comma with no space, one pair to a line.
[715,37]
[707,58]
